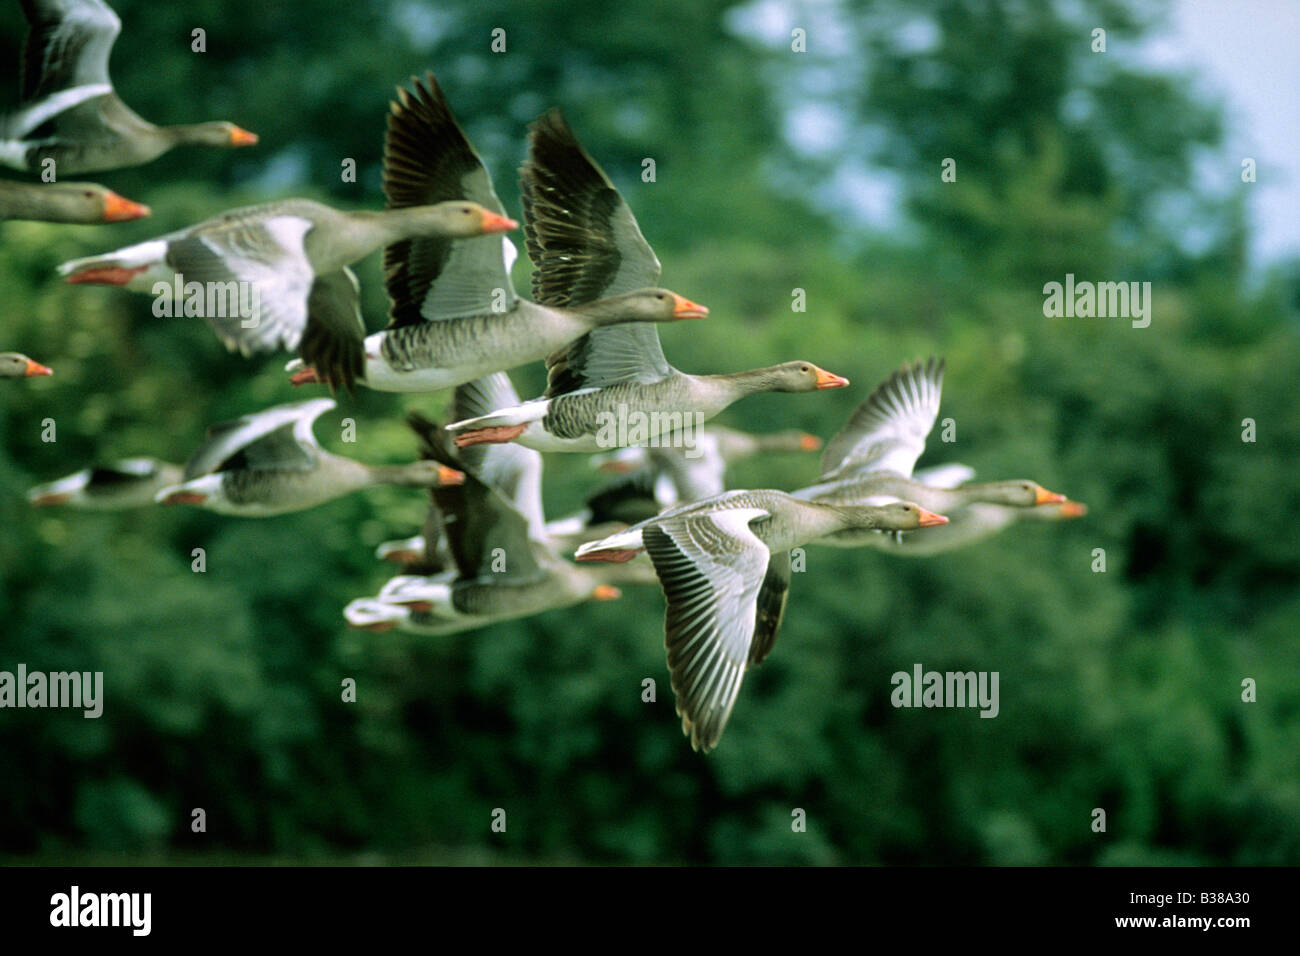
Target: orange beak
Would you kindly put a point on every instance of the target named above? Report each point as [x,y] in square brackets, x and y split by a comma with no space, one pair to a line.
[810,442]
[1073,509]
[242,137]
[450,476]
[606,592]
[1045,497]
[305,376]
[36,368]
[185,498]
[684,308]
[929,519]
[827,379]
[495,223]
[418,606]
[117,209]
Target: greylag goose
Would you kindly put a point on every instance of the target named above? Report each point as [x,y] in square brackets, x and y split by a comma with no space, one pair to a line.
[68,110]
[17,365]
[724,566]
[972,524]
[501,570]
[270,463]
[871,460]
[515,473]
[131,483]
[677,473]
[455,316]
[586,244]
[258,266]
[66,202]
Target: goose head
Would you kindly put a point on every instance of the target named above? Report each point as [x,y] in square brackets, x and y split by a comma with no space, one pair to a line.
[219,133]
[418,474]
[895,516]
[458,219]
[644,305]
[1018,494]
[89,203]
[370,614]
[17,365]
[800,377]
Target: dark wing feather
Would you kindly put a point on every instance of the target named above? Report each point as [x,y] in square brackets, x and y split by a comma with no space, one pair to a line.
[428,159]
[771,607]
[333,341]
[476,518]
[582,237]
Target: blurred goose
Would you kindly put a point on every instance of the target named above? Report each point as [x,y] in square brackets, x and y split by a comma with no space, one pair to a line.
[586,244]
[871,460]
[455,316]
[264,261]
[270,463]
[724,565]
[501,571]
[66,202]
[679,473]
[131,483]
[373,614]
[17,365]
[970,525]
[69,112]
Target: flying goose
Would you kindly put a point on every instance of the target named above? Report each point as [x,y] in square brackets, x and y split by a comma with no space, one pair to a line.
[972,524]
[724,566]
[66,202]
[269,463]
[69,112]
[259,266]
[586,244]
[871,460]
[501,570]
[454,315]
[131,483]
[679,472]
[17,365]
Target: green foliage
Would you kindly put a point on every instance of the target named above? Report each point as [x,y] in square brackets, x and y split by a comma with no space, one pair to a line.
[1119,690]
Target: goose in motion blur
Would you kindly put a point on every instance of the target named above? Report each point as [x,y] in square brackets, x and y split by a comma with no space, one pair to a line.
[17,365]
[724,566]
[259,266]
[612,387]
[454,315]
[269,463]
[131,483]
[516,472]
[683,472]
[970,525]
[500,569]
[871,460]
[66,202]
[69,112]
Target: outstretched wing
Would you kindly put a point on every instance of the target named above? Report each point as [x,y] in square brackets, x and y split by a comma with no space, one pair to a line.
[279,437]
[427,160]
[712,568]
[887,431]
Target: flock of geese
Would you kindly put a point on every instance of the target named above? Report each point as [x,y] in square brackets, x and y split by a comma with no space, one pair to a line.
[486,552]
